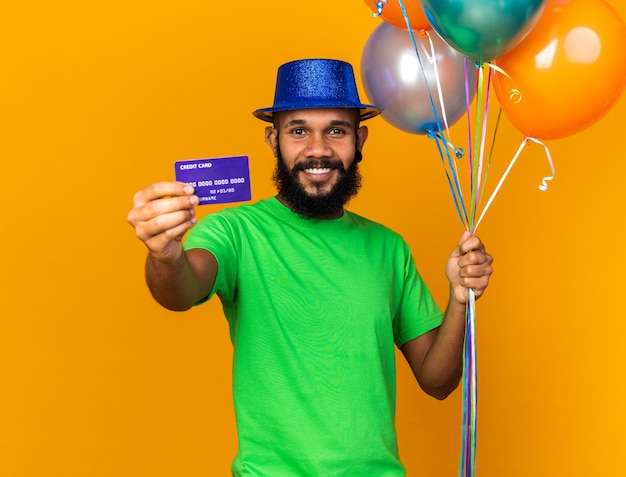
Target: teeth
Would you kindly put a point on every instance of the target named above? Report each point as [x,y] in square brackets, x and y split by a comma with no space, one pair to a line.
[317,170]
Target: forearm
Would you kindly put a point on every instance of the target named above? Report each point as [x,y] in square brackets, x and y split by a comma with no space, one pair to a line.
[437,359]
[173,284]
[443,364]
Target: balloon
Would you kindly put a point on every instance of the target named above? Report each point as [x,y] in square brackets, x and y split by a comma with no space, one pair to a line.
[569,71]
[483,29]
[391,12]
[401,89]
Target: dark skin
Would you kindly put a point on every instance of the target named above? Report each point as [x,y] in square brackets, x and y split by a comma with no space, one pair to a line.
[165,211]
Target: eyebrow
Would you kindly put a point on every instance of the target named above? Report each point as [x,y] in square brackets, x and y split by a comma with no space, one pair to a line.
[334,122]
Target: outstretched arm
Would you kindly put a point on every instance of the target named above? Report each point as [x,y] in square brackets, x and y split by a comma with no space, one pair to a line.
[436,357]
[161,215]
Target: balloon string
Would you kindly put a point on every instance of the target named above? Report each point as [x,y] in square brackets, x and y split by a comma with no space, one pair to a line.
[467,457]
[458,200]
[453,181]
[493,143]
[543,186]
[476,159]
[432,59]
[544,182]
[458,151]
[451,174]
[379,6]
[406,19]
[470,144]
[515,96]
[472,154]
[480,180]
[502,179]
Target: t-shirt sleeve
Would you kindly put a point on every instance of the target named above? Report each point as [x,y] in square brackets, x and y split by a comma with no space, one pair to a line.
[215,234]
[417,313]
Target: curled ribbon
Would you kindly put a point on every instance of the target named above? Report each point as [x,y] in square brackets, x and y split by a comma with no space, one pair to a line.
[380,4]
[544,182]
[515,95]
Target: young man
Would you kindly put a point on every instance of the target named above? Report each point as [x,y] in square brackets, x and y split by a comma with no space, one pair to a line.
[316,296]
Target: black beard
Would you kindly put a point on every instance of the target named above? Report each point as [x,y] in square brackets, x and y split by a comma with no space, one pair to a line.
[324,206]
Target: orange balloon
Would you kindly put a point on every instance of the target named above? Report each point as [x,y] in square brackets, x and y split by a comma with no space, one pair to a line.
[392,13]
[569,71]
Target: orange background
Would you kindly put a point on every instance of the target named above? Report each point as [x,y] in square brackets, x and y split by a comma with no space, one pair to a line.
[99,99]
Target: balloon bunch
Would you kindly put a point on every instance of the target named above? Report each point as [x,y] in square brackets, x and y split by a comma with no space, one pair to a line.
[556,66]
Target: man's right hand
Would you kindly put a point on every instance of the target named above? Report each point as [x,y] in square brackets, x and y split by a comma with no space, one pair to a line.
[161,214]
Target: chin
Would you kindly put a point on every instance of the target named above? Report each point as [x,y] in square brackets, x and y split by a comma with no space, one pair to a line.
[317,190]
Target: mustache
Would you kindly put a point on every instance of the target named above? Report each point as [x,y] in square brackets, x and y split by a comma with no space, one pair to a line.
[318,163]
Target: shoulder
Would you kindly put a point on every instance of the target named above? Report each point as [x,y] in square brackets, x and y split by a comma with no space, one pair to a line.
[226,224]
[373,226]
[237,213]
[378,236]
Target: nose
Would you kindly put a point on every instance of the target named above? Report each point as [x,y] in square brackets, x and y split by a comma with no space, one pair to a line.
[318,146]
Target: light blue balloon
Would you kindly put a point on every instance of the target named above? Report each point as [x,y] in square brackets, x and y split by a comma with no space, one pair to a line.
[483,30]
[401,85]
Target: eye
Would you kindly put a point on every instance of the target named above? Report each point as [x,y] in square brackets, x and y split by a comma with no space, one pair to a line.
[336,131]
[297,131]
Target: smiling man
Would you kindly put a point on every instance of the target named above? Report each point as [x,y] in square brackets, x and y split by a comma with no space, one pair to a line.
[322,147]
[316,297]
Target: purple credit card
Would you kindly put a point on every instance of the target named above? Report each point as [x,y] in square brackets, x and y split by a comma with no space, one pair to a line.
[217,180]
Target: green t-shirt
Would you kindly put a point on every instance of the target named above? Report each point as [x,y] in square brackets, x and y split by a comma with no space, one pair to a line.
[314,310]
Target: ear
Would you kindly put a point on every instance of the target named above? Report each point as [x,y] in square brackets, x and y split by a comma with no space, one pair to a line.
[361,137]
[271,137]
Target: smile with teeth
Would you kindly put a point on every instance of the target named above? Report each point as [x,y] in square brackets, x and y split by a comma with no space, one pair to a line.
[317,170]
